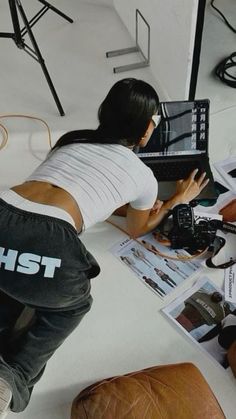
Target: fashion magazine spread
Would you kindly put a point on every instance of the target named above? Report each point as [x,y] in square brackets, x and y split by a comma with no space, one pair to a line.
[230,284]
[203,315]
[158,266]
[160,274]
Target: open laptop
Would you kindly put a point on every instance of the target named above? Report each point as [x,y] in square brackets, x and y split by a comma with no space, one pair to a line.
[179,145]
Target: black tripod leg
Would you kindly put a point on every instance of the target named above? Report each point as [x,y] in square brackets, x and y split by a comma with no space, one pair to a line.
[56,10]
[40,58]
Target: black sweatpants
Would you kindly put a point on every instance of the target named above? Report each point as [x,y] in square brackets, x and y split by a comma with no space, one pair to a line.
[43,265]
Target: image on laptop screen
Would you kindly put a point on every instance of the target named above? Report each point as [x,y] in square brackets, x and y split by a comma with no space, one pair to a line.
[183,130]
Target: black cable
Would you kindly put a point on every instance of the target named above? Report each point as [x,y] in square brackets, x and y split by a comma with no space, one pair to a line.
[221,70]
[223,17]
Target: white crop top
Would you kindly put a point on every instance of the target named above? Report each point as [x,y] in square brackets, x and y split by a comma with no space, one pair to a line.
[101,178]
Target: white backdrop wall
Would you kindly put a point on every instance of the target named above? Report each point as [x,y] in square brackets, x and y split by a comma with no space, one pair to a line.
[172,25]
[102,2]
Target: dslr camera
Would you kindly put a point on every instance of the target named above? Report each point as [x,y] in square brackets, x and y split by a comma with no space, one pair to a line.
[184,233]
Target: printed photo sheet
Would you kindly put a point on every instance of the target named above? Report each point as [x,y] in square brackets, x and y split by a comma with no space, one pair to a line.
[160,274]
[204,315]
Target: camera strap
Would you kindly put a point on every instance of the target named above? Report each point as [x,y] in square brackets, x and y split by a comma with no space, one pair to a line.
[219,243]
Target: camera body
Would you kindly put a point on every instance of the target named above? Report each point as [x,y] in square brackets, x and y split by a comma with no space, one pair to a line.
[183,232]
[188,235]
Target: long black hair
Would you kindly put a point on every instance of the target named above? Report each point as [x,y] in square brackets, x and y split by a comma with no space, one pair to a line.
[123,116]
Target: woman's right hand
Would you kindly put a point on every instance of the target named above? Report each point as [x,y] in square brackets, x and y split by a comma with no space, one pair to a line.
[140,222]
[188,189]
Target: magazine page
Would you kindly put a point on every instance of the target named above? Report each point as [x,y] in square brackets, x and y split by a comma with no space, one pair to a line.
[206,318]
[159,273]
[205,216]
[230,284]
[227,169]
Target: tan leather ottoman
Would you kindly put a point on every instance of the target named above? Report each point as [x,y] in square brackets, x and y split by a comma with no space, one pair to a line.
[176,391]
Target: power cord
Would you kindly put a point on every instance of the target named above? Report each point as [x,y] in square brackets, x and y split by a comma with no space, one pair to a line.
[4,130]
[221,70]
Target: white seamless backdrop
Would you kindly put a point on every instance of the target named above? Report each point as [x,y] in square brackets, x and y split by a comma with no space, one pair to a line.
[173,24]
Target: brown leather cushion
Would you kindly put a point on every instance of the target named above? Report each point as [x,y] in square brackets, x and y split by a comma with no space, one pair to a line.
[229,211]
[231,355]
[176,391]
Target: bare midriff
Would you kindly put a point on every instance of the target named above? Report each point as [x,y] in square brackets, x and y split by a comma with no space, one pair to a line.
[48,194]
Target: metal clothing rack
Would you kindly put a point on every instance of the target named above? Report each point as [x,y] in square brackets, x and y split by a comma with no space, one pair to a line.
[19,33]
[146,59]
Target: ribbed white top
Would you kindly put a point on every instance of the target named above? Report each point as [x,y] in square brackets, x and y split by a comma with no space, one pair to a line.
[101,178]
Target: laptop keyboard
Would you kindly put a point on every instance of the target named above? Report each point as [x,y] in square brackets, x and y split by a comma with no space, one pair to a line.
[175,170]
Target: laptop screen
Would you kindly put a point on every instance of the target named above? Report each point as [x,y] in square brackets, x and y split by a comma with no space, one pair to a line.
[183,130]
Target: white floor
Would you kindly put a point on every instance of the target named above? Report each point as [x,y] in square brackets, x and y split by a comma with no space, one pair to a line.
[124,331]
